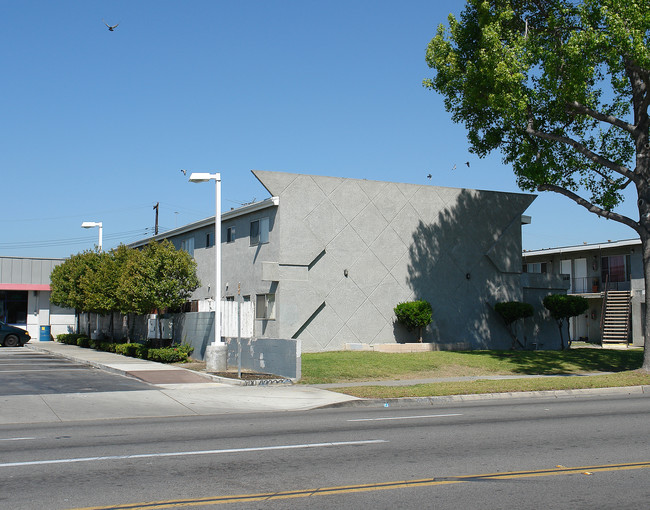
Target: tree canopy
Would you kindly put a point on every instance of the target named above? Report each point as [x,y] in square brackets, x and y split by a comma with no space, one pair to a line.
[158,277]
[561,88]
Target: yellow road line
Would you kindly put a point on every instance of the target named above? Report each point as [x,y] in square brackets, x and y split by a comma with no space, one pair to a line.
[347,489]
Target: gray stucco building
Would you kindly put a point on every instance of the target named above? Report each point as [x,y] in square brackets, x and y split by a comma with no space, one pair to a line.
[326,259]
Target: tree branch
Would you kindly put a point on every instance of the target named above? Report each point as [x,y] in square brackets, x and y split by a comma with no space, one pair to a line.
[591,207]
[596,158]
[610,119]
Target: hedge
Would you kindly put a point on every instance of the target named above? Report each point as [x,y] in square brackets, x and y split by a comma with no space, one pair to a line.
[172,354]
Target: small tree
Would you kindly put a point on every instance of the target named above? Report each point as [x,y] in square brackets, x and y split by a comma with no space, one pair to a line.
[414,315]
[159,277]
[511,312]
[562,308]
[69,282]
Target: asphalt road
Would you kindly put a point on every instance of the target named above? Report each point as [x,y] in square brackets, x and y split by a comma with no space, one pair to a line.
[588,452]
[26,372]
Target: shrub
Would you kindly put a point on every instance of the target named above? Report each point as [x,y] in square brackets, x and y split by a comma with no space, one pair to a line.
[562,307]
[414,315]
[511,312]
[69,338]
[172,354]
[83,341]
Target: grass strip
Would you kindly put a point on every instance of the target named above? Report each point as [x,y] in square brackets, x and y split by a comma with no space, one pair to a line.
[626,378]
[348,366]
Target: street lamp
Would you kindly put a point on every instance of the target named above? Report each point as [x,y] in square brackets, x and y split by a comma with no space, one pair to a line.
[93,224]
[216,354]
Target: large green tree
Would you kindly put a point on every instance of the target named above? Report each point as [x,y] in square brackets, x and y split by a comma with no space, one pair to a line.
[158,277]
[561,88]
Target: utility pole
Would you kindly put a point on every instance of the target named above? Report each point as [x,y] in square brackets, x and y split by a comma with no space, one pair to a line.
[156,207]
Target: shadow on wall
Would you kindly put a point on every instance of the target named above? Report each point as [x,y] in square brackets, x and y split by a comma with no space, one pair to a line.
[467,257]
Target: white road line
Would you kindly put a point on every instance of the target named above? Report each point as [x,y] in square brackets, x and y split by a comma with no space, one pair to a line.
[80,367]
[181,454]
[407,417]
[17,438]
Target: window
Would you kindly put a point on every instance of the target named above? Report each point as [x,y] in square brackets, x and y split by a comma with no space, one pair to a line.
[265,306]
[535,267]
[13,307]
[209,240]
[230,298]
[260,231]
[230,235]
[615,268]
[188,245]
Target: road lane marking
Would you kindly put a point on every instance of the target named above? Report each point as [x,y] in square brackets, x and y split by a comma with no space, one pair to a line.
[348,489]
[188,453]
[17,438]
[407,417]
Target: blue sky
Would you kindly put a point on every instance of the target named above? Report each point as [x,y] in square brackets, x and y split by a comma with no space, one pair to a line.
[96,125]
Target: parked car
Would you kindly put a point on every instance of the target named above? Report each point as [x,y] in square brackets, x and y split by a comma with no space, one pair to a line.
[11,336]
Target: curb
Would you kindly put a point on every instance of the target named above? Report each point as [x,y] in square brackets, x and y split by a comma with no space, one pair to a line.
[419,401]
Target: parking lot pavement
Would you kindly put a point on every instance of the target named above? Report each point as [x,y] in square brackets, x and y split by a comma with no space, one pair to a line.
[26,372]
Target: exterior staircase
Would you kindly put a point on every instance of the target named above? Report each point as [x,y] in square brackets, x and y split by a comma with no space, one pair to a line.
[615,323]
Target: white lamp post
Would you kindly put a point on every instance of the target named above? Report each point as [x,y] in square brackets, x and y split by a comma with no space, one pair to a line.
[216,354]
[93,224]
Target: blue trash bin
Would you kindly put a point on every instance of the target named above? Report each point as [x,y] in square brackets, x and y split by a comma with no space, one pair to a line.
[45,334]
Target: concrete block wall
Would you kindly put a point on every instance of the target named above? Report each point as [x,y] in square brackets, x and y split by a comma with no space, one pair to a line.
[267,355]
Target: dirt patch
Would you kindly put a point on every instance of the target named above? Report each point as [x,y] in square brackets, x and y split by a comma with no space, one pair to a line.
[249,376]
[246,375]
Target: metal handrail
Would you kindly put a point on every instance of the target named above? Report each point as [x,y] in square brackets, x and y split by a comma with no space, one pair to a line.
[602,311]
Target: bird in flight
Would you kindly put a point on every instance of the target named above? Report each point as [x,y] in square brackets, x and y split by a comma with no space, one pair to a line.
[429,176]
[184,171]
[111,28]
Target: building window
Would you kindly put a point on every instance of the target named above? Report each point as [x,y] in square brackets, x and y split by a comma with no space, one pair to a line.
[188,245]
[615,269]
[230,235]
[209,238]
[535,267]
[260,231]
[230,298]
[13,307]
[265,306]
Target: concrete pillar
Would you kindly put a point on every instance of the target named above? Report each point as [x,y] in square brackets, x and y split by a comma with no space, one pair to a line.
[216,357]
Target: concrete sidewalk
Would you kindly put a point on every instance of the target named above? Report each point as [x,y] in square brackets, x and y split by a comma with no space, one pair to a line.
[174,391]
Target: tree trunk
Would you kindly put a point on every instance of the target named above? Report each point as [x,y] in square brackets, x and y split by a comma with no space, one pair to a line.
[645,246]
[559,325]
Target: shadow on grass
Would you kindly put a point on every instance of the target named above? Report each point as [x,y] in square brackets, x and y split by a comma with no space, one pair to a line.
[564,362]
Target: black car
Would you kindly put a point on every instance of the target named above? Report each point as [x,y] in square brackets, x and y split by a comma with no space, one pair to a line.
[11,336]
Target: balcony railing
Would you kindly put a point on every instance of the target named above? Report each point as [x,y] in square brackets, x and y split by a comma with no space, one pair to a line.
[590,284]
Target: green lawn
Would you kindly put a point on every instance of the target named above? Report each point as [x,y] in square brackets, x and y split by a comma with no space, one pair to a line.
[627,378]
[352,366]
[346,366]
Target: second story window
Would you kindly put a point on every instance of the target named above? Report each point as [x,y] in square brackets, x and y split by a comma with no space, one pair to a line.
[535,267]
[259,231]
[188,245]
[230,235]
